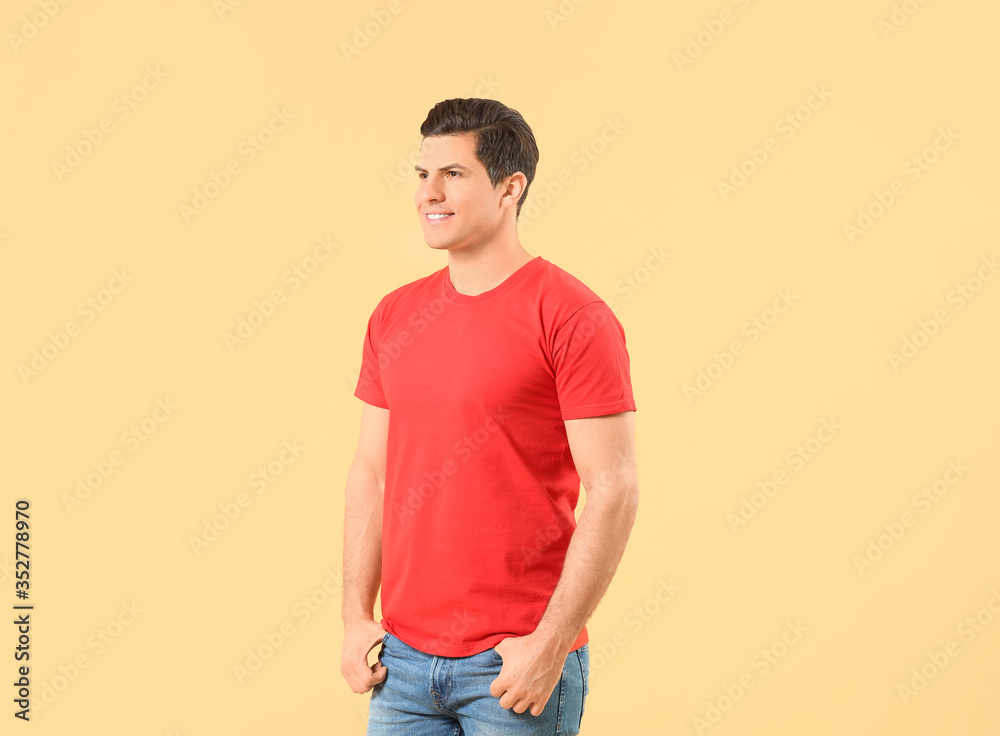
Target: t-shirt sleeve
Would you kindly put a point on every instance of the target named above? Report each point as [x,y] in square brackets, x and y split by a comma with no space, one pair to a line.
[369,388]
[591,364]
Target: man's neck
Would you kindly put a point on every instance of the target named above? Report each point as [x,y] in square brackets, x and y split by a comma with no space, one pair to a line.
[473,273]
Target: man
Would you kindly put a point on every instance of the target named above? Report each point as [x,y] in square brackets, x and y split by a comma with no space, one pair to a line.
[492,388]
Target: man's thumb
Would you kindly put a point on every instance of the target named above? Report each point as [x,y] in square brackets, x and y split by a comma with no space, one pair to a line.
[497,690]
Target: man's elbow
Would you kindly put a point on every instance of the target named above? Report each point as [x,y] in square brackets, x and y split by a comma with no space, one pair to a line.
[619,496]
[365,477]
[630,501]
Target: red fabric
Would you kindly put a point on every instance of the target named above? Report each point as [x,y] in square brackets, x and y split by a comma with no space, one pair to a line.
[480,486]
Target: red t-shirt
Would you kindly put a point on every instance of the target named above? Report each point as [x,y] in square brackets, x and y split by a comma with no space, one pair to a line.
[480,486]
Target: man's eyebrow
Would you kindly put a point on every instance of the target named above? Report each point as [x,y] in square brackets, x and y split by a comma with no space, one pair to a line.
[444,168]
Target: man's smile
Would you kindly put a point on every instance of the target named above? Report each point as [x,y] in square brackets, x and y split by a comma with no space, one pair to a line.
[437,216]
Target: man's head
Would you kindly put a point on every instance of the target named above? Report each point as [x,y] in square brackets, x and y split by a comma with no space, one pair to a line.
[496,153]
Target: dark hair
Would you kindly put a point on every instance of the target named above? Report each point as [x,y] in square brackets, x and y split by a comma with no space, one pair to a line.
[504,141]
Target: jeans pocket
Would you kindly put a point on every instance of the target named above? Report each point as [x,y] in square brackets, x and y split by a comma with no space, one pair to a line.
[495,655]
[383,648]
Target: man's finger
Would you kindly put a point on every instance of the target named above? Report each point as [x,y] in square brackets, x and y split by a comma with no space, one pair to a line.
[368,676]
[496,689]
[509,701]
[363,678]
[359,681]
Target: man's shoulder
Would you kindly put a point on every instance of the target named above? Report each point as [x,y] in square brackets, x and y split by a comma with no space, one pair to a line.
[416,289]
[565,292]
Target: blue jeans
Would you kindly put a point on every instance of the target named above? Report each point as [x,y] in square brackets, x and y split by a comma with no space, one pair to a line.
[425,695]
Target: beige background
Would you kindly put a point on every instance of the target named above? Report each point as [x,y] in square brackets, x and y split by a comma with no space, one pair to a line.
[178,621]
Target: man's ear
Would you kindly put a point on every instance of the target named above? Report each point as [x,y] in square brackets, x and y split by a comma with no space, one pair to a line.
[514,186]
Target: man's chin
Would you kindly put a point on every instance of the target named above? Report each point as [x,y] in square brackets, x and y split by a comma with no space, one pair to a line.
[440,244]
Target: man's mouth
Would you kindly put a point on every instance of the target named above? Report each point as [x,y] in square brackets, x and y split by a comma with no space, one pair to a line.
[438,216]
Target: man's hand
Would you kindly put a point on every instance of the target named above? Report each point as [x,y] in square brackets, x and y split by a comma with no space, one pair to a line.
[531,670]
[360,637]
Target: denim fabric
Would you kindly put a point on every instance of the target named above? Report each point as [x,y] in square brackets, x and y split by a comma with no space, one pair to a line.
[426,695]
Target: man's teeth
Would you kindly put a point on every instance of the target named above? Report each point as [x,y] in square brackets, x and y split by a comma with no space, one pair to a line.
[437,217]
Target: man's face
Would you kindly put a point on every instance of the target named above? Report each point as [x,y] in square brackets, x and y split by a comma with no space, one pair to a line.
[453,182]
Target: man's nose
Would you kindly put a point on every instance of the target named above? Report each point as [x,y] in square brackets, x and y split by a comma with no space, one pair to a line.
[430,191]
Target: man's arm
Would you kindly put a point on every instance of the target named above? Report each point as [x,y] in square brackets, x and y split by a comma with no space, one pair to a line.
[363,551]
[603,450]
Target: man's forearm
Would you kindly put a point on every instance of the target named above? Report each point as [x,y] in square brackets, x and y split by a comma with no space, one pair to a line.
[362,544]
[594,552]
